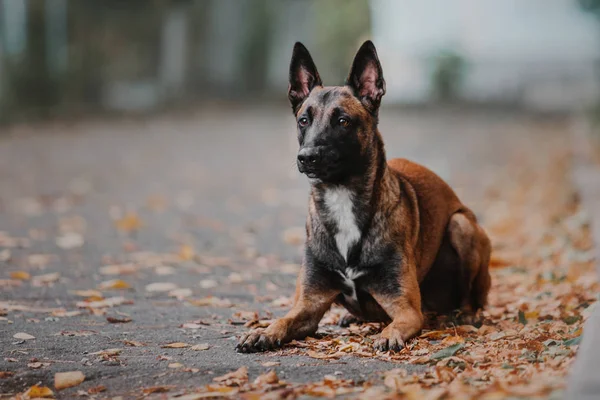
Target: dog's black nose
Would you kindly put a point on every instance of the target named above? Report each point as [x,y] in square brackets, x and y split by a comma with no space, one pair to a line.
[309,156]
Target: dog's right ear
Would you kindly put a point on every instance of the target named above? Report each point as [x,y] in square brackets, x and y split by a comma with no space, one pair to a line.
[303,76]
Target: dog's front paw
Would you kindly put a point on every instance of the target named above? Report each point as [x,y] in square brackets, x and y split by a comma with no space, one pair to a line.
[390,339]
[257,340]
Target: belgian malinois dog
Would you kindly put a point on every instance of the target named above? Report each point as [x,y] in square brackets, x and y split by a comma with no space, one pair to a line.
[385,239]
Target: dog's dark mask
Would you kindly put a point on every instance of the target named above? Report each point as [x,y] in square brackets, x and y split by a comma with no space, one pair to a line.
[336,124]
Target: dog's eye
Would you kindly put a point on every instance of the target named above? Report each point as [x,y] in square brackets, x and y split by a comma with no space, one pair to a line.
[303,121]
[343,122]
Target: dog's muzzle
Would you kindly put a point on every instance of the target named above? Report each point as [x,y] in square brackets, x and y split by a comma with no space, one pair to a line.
[318,161]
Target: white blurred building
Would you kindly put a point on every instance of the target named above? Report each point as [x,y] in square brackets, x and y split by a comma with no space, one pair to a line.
[537,53]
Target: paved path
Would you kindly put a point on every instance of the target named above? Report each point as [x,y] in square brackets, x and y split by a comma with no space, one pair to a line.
[217,191]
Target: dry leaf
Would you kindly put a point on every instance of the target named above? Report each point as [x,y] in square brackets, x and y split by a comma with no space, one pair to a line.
[235,378]
[176,345]
[323,356]
[201,346]
[175,365]
[37,365]
[269,378]
[23,336]
[39,392]
[110,302]
[20,275]
[157,389]
[70,240]
[211,301]
[96,389]
[107,352]
[208,284]
[6,374]
[64,380]
[294,236]
[114,284]
[88,293]
[181,293]
[186,252]
[45,279]
[161,287]
[270,363]
[133,343]
[118,320]
[129,223]
[119,269]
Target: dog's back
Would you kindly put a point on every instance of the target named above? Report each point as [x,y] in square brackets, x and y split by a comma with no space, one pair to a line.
[436,202]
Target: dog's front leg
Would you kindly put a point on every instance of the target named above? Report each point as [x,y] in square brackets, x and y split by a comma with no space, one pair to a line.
[403,305]
[310,304]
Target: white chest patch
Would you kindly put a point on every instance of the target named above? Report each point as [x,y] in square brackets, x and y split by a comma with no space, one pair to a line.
[339,204]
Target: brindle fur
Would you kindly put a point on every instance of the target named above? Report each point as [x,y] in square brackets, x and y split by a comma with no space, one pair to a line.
[419,246]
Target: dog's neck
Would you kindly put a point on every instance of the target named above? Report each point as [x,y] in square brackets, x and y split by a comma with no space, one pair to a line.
[348,207]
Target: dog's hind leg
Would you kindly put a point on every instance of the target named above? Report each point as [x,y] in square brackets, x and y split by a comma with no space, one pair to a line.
[473,247]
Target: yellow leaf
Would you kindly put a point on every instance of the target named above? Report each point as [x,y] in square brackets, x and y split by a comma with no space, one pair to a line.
[114,284]
[63,380]
[39,391]
[129,223]
[20,275]
[186,252]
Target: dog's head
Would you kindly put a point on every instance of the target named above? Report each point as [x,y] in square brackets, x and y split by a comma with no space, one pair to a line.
[337,125]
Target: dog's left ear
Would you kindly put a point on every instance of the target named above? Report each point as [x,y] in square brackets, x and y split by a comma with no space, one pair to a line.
[366,77]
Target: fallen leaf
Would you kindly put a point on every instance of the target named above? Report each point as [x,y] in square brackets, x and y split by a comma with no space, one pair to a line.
[324,356]
[37,365]
[180,293]
[20,275]
[119,269]
[97,389]
[175,365]
[235,378]
[70,240]
[5,255]
[201,346]
[161,287]
[447,352]
[186,252]
[39,392]
[45,279]
[23,336]
[114,284]
[87,293]
[208,284]
[211,301]
[176,345]
[294,236]
[157,389]
[267,378]
[64,380]
[270,363]
[110,302]
[107,352]
[6,374]
[118,320]
[129,223]
[134,343]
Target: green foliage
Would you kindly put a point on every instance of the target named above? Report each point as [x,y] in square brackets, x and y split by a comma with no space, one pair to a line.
[448,72]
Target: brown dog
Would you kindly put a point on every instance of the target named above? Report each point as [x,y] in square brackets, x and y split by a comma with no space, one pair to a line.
[384,239]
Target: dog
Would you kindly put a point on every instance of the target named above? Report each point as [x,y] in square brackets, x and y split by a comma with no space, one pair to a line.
[385,239]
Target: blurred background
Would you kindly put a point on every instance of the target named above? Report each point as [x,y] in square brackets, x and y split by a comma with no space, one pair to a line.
[73,57]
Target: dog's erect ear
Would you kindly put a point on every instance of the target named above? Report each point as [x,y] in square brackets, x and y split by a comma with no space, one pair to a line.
[303,76]
[366,77]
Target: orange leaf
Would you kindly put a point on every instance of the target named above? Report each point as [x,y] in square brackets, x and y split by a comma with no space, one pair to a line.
[20,275]
[39,391]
